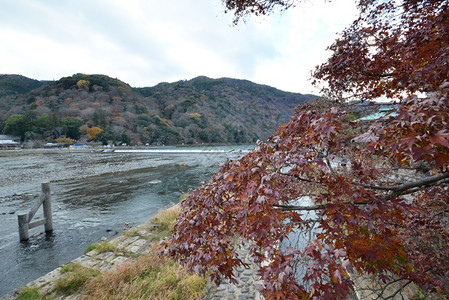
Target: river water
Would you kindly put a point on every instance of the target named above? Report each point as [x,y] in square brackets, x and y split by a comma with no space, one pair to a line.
[94,196]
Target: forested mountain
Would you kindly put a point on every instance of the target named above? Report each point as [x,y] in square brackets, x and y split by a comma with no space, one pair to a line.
[98,107]
[17,84]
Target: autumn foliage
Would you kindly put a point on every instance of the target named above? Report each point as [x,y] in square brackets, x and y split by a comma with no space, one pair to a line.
[65,141]
[327,198]
[241,8]
[93,132]
[394,49]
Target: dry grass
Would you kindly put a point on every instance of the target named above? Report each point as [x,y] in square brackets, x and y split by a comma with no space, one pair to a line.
[165,221]
[148,277]
[167,217]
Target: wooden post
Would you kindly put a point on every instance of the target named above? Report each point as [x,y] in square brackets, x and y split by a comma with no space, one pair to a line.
[23,227]
[24,220]
[47,207]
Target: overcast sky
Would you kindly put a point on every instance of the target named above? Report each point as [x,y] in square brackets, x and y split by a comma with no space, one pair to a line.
[144,42]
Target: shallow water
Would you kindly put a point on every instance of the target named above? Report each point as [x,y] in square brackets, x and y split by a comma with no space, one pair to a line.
[89,207]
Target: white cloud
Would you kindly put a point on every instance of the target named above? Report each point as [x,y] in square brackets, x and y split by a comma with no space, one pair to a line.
[147,42]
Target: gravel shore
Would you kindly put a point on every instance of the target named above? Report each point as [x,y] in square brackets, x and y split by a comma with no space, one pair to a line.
[22,171]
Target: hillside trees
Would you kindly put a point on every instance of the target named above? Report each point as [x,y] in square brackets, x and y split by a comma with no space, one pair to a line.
[30,126]
[71,127]
[328,198]
[154,115]
[93,132]
[16,125]
[83,84]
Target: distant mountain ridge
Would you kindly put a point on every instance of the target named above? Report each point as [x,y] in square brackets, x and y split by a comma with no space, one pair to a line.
[200,110]
[17,84]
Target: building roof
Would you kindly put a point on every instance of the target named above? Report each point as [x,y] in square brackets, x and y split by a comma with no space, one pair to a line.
[4,137]
[7,140]
[383,113]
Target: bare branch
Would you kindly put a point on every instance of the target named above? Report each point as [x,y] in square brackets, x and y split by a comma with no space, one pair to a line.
[400,290]
[415,185]
[300,178]
[409,185]
[299,207]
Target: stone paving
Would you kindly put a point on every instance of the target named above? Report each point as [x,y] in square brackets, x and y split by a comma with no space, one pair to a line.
[245,289]
[138,241]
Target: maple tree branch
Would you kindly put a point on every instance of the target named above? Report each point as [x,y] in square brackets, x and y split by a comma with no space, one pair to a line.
[399,290]
[422,182]
[441,212]
[300,178]
[409,185]
[313,207]
[330,167]
[300,207]
[416,185]
[369,74]
[406,188]
[398,189]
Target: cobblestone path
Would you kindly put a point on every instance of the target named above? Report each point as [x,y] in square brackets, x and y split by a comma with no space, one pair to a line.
[245,289]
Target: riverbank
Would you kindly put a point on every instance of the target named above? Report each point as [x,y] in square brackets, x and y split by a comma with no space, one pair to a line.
[129,251]
[69,281]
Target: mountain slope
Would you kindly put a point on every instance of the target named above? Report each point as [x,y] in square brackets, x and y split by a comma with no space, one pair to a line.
[17,84]
[201,110]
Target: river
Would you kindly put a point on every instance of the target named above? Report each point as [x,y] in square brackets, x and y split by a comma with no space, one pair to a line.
[95,196]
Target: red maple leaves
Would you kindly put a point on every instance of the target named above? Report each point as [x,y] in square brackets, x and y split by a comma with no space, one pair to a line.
[363,213]
[325,197]
[395,48]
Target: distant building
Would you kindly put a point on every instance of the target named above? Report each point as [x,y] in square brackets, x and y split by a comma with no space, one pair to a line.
[7,142]
[383,112]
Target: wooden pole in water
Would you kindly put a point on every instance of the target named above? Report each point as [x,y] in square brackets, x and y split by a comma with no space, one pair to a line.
[47,207]
[23,226]
[24,220]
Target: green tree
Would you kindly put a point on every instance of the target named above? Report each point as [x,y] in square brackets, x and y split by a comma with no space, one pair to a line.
[106,136]
[42,123]
[16,125]
[71,127]
[54,126]
[143,121]
[125,139]
[99,118]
